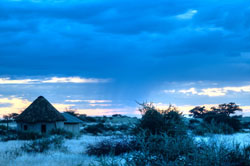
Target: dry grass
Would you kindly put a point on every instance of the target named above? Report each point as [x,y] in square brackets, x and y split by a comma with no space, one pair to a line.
[10,154]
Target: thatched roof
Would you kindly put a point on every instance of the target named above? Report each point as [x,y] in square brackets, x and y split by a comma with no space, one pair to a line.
[40,111]
[71,119]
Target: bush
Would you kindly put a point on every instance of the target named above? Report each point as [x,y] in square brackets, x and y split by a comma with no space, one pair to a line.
[13,135]
[86,118]
[116,115]
[107,161]
[233,122]
[112,146]
[3,130]
[213,127]
[223,115]
[155,121]
[28,135]
[165,150]
[123,127]
[194,121]
[3,127]
[95,129]
[43,145]
[62,132]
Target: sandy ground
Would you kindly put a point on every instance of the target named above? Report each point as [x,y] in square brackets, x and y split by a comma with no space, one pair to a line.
[75,156]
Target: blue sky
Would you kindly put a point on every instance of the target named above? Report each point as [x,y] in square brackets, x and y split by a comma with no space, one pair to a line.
[101,56]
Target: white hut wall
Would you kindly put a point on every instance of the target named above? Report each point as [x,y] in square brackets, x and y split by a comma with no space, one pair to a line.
[37,127]
[72,127]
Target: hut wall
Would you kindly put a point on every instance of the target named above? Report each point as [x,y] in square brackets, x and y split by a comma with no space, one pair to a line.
[37,127]
[72,127]
[60,125]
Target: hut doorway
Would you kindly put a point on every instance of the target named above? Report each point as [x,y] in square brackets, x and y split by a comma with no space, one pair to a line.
[43,128]
[25,127]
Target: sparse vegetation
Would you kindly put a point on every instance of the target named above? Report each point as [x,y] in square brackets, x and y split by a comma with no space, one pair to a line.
[112,146]
[22,136]
[102,128]
[43,145]
[162,137]
[162,140]
[218,120]
[95,129]
[62,132]
[155,121]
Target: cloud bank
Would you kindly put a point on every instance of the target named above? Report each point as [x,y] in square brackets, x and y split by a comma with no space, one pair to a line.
[212,92]
[77,80]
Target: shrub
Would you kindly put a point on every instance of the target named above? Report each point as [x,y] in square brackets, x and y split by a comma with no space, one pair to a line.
[95,129]
[161,149]
[123,127]
[3,130]
[42,145]
[62,132]
[112,146]
[155,121]
[213,127]
[107,161]
[165,150]
[28,135]
[220,115]
[3,127]
[13,135]
[194,121]
[116,115]
[233,122]
[86,118]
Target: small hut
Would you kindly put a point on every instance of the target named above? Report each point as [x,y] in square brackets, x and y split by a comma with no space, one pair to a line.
[40,117]
[72,123]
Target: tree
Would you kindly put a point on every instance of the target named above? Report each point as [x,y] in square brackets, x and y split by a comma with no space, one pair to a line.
[227,109]
[221,114]
[6,119]
[198,111]
[13,116]
[72,112]
[9,117]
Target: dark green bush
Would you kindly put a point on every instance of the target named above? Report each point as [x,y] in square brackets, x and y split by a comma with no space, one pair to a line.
[3,130]
[213,127]
[158,150]
[3,127]
[155,121]
[13,135]
[193,121]
[223,115]
[95,129]
[123,127]
[112,146]
[86,118]
[233,122]
[42,145]
[116,115]
[28,136]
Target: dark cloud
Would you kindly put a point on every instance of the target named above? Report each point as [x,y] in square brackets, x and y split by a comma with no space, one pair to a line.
[139,44]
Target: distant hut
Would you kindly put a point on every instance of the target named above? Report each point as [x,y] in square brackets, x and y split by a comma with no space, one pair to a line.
[40,117]
[72,123]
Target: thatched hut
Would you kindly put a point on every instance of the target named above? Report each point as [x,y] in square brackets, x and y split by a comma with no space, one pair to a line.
[72,123]
[40,117]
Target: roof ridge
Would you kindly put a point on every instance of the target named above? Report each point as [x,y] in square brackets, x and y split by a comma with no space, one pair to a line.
[40,110]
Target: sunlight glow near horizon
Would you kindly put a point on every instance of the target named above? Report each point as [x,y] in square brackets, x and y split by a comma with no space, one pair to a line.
[17,105]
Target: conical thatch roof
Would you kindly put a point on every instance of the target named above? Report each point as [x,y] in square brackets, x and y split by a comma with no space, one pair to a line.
[40,111]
